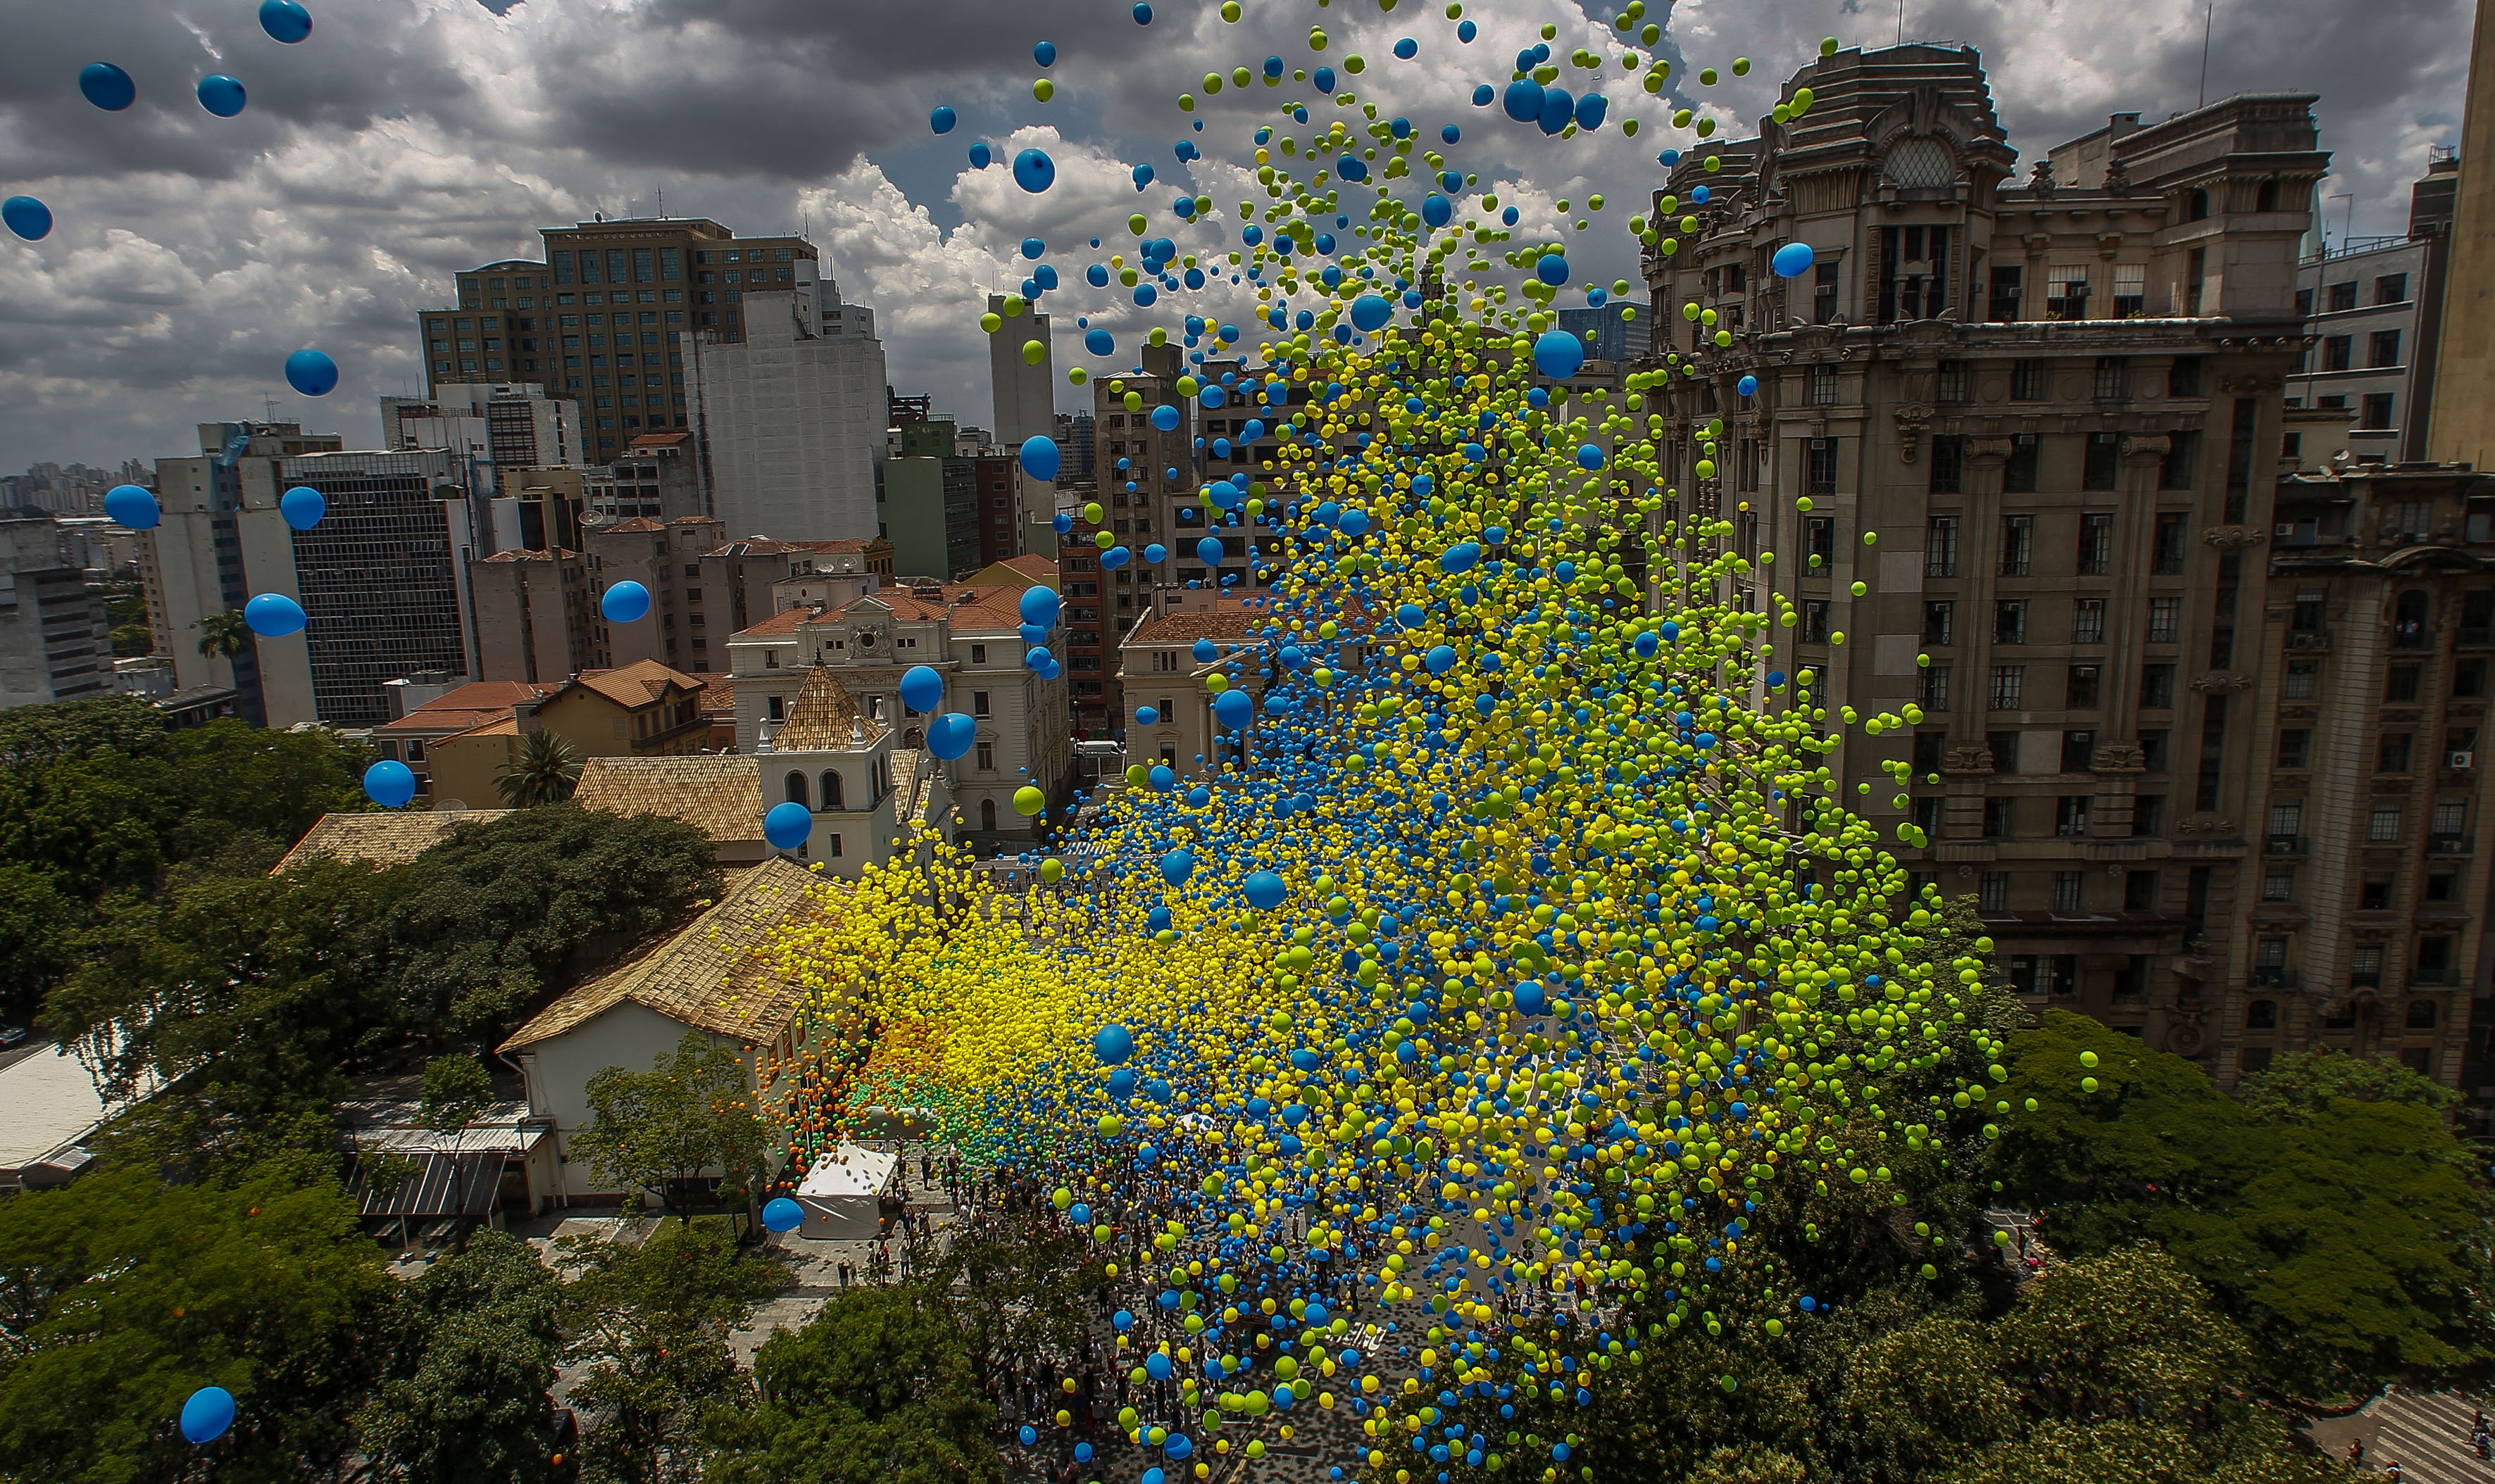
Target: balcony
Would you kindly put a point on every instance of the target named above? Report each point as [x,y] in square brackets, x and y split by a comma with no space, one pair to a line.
[2282,845]
[2365,979]
[2450,844]
[2309,642]
[2443,974]
[2273,976]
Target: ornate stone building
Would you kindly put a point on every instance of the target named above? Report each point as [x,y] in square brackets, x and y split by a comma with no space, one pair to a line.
[2055,406]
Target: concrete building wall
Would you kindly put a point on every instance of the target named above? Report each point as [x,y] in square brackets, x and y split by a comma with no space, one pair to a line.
[1025,393]
[532,615]
[56,642]
[792,421]
[2463,426]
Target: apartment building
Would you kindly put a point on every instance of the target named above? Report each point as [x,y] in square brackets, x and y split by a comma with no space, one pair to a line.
[2373,306]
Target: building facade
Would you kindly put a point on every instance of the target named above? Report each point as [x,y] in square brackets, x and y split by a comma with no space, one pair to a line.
[2463,425]
[55,641]
[2373,307]
[491,334]
[2058,407]
[932,502]
[790,420]
[510,424]
[1024,391]
[532,615]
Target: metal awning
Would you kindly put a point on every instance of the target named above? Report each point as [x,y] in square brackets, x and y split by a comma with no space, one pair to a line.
[447,1185]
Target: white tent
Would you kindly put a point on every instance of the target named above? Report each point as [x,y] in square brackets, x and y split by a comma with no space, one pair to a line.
[843,1194]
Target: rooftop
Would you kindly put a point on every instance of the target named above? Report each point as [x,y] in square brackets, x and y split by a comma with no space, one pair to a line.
[637,683]
[384,840]
[718,794]
[825,717]
[713,976]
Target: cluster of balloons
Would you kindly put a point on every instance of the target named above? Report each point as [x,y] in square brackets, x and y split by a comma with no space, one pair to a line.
[1509,946]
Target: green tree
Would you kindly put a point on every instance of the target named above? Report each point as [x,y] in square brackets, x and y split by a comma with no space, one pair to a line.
[545,771]
[651,1323]
[658,1130]
[224,635]
[123,724]
[39,939]
[1026,1293]
[471,1347]
[504,910]
[125,608]
[2348,1243]
[2300,1085]
[121,1295]
[454,1090]
[875,1389]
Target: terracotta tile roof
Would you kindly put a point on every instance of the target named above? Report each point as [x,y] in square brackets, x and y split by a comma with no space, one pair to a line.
[385,840]
[718,794]
[714,976]
[825,717]
[487,696]
[1029,565]
[503,726]
[1222,628]
[660,439]
[784,621]
[752,546]
[718,695]
[637,683]
[637,523]
[552,554]
[846,544]
[433,720]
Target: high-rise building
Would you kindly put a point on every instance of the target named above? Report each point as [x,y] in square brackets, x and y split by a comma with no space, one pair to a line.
[2058,407]
[2373,306]
[56,642]
[932,502]
[532,615]
[381,579]
[659,476]
[1074,432]
[790,420]
[665,557]
[510,424]
[1026,390]
[2463,425]
[997,478]
[491,334]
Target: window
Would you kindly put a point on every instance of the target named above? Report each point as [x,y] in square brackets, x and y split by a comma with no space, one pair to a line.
[2391,289]
[2392,752]
[2196,275]
[2374,891]
[1940,546]
[2278,883]
[2338,352]
[1819,539]
[2004,747]
[2066,291]
[1940,623]
[2152,748]
[2130,289]
[795,785]
[978,653]
[1992,891]
[2019,471]
[1821,474]
[2167,559]
[2304,304]
[2010,620]
[2096,545]
[2079,750]
[2296,747]
[2018,544]
[1822,294]
[1814,620]
[2376,413]
[2112,381]
[832,790]
[1932,686]
[1927,815]
[2382,349]
[2087,620]
[2400,686]
[987,757]
[2183,377]
[979,703]
[1929,746]
[2385,826]
[2468,678]
[2441,887]
[2000,818]
[2182,456]
[2157,687]
[1819,385]
[2071,814]
[1955,382]
[2450,817]
[2008,682]
[2286,820]
[2083,688]
[1949,463]
[2066,890]
[2343,297]
[2303,679]
[2101,462]
[2139,892]
[2027,381]
[2004,308]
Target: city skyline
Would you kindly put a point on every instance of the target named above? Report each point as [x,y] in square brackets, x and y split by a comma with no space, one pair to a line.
[166,296]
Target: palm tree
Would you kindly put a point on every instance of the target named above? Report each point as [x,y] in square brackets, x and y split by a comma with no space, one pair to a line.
[547,770]
[224,635]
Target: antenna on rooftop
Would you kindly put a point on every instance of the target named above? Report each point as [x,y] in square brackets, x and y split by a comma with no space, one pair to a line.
[662,193]
[2209,19]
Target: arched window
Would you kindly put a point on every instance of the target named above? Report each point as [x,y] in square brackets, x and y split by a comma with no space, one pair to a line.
[987,814]
[832,790]
[2421,1014]
[2408,620]
[2267,199]
[2261,1015]
[2199,208]
[796,788]
[1922,162]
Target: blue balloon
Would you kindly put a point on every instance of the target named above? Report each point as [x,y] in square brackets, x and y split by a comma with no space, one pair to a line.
[285,20]
[273,616]
[311,373]
[1591,111]
[980,155]
[1158,1366]
[1045,53]
[107,87]
[1143,13]
[1029,1434]
[389,785]
[951,735]
[1112,1044]
[921,689]
[1408,48]
[1435,209]
[1440,659]
[1177,866]
[1793,259]
[788,825]
[1209,551]
[1523,99]
[626,602]
[1232,710]
[1369,312]
[1033,170]
[1040,456]
[1589,456]
[302,506]
[1179,1448]
[942,119]
[1465,32]
[27,217]
[1531,999]
[1039,605]
[207,1414]
[1083,1450]
[1265,891]
[1559,110]
[1323,77]
[1558,354]
[132,506]
[1100,342]
[1146,717]
[221,95]
[781,1214]
[1203,651]
[1156,551]
[1483,95]
[1748,386]
[1165,417]
[1551,268]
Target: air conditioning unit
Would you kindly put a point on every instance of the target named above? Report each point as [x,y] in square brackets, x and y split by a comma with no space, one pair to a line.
[2283,529]
[2461,761]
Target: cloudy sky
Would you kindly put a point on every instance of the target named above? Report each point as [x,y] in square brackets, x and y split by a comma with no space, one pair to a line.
[410,138]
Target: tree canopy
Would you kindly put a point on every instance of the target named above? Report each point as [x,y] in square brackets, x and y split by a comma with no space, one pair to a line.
[662,1130]
[471,1348]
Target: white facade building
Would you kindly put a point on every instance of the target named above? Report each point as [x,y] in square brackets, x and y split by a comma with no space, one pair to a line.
[792,416]
[1025,395]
